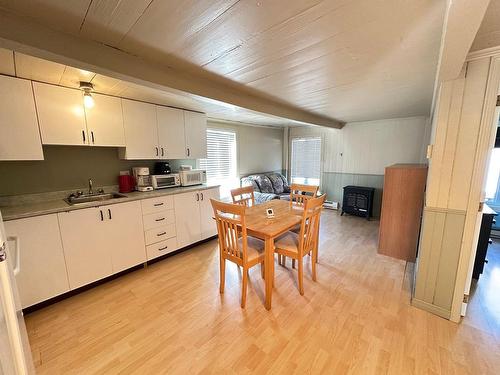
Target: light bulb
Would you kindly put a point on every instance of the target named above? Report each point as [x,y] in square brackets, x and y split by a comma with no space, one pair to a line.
[88,100]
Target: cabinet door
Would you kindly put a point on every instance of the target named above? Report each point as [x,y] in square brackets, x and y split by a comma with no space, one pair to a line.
[171,136]
[60,114]
[125,235]
[105,121]
[187,218]
[19,134]
[141,130]
[83,234]
[208,226]
[195,127]
[43,268]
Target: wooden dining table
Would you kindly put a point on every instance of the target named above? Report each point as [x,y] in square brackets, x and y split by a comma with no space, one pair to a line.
[286,216]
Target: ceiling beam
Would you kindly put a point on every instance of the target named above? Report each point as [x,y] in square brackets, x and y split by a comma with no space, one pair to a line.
[23,34]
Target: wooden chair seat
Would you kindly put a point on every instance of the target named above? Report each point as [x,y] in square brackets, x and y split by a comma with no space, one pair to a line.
[288,243]
[255,250]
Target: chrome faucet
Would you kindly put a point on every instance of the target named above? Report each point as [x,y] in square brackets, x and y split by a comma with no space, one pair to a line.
[91,191]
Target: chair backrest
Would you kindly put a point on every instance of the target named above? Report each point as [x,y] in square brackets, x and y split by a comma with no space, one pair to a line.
[310,223]
[231,227]
[243,196]
[297,190]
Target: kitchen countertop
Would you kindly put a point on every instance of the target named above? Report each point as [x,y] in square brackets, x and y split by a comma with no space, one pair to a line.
[20,207]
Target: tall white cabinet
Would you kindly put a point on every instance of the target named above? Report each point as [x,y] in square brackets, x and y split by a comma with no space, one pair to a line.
[19,135]
[43,268]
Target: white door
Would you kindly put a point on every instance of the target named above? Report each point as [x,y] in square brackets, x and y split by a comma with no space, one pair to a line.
[105,121]
[125,235]
[171,136]
[208,225]
[83,234]
[141,130]
[60,115]
[43,268]
[195,127]
[187,218]
[19,134]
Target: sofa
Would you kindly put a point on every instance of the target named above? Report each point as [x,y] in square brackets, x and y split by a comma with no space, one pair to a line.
[267,186]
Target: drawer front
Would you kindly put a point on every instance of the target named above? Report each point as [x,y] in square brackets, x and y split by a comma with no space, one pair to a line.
[158,219]
[159,234]
[161,248]
[158,204]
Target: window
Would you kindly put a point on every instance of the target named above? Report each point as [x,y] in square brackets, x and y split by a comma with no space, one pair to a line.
[220,163]
[306,160]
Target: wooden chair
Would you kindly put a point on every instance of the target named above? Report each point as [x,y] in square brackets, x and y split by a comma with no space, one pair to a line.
[297,195]
[296,246]
[234,244]
[297,192]
[243,196]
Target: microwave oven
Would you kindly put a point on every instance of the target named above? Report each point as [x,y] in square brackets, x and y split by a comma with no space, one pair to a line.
[193,177]
[161,181]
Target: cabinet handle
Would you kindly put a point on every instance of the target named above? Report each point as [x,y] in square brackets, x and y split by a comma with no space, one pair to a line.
[163,248]
[161,234]
[160,219]
[201,196]
[83,135]
[158,204]
[102,216]
[109,214]
[197,197]
[162,153]
[156,151]
[92,135]
[188,152]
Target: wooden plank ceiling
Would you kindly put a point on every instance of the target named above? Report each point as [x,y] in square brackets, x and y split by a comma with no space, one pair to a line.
[348,60]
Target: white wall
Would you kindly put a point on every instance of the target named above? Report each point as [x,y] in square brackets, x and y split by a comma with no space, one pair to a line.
[368,147]
[260,149]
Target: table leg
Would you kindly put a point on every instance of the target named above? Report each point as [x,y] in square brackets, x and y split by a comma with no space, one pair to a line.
[269,271]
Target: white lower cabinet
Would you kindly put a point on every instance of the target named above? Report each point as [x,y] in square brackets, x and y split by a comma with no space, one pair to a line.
[193,216]
[161,248]
[43,269]
[187,218]
[100,241]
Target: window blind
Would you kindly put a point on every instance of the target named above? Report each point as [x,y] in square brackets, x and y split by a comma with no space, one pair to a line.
[220,163]
[306,160]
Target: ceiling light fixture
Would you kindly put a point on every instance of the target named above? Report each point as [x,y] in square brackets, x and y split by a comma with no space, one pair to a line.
[87,88]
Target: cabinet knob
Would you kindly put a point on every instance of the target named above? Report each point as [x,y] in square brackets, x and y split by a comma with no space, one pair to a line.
[83,135]
[188,152]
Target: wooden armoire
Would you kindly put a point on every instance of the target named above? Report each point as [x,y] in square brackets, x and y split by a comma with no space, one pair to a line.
[402,205]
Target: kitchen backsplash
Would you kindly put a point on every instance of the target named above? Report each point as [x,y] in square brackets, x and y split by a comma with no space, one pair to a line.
[69,167]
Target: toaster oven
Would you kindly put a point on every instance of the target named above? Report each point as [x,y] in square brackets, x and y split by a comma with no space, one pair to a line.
[161,181]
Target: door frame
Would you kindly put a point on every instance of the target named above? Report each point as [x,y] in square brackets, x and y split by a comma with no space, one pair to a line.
[485,141]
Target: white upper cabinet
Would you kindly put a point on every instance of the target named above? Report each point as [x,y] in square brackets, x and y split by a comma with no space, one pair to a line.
[171,138]
[60,114]
[195,127]
[105,122]
[141,131]
[19,134]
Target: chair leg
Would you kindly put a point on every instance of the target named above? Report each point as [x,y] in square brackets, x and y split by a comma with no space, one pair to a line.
[222,274]
[244,288]
[262,270]
[313,264]
[293,263]
[301,276]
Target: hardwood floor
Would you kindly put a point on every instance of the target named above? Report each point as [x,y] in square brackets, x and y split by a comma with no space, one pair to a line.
[170,319]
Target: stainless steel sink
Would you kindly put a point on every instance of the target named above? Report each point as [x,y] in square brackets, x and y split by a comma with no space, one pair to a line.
[96,197]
